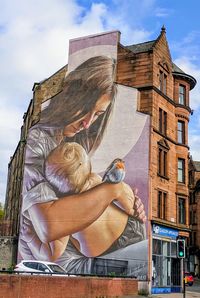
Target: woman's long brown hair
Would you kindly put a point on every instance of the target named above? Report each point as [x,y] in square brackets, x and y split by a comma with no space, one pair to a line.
[81,90]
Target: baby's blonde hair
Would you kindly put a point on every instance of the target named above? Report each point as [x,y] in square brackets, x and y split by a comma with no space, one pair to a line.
[68,167]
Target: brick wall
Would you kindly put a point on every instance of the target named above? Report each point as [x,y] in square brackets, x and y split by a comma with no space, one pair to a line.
[134,70]
[65,287]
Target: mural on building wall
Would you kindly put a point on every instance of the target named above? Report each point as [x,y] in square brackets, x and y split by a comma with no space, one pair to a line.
[89,131]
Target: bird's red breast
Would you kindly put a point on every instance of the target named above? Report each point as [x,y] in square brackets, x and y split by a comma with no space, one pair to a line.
[120,165]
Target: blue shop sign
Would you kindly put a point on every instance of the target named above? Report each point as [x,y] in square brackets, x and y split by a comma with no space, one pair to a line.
[160,290]
[165,290]
[164,231]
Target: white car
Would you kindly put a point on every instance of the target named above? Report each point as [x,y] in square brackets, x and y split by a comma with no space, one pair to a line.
[39,266]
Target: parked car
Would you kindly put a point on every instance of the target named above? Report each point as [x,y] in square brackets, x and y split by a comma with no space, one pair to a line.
[189,279]
[39,266]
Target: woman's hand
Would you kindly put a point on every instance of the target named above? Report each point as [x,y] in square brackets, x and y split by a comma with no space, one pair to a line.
[125,197]
[139,211]
[129,201]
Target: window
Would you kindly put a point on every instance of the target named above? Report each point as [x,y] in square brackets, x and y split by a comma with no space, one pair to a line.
[162,162]
[192,197]
[191,178]
[182,93]
[173,249]
[163,82]
[163,149]
[182,211]
[163,259]
[194,218]
[119,267]
[181,132]
[193,237]
[157,247]
[162,122]
[190,217]
[32,265]
[42,267]
[181,170]
[162,205]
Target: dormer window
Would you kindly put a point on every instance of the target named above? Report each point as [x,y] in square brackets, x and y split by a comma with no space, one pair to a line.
[182,95]
[164,70]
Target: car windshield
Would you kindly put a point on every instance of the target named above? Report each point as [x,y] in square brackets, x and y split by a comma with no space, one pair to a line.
[56,269]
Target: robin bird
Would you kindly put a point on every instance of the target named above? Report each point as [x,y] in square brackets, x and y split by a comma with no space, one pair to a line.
[115,172]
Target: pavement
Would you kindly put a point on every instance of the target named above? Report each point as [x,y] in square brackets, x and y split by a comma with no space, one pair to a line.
[191,292]
[176,295]
[171,295]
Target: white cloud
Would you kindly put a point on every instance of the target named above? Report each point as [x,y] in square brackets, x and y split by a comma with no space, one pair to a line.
[194,141]
[96,15]
[127,17]
[163,12]
[194,137]
[191,37]
[33,45]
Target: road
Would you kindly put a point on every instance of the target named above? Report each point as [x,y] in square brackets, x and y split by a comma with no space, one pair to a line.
[195,288]
[172,295]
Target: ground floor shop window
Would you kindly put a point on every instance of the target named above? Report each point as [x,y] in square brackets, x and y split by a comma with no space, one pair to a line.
[165,265]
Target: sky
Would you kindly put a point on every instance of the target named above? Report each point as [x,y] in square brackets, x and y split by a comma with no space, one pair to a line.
[34,38]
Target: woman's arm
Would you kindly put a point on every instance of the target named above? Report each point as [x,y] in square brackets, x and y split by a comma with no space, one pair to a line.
[50,251]
[56,219]
[107,228]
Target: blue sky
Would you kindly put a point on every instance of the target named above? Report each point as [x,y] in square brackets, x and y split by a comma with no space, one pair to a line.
[34,38]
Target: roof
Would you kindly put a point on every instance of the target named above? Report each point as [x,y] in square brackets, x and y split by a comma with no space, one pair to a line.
[141,47]
[145,46]
[175,68]
[197,165]
[148,46]
[181,74]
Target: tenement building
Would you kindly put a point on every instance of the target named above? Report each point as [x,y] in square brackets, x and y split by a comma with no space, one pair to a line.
[194,209]
[163,101]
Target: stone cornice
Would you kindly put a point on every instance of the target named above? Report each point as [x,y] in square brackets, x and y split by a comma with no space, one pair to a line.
[182,116]
[151,87]
[169,139]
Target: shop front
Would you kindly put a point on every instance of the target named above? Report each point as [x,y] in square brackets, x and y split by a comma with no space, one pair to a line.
[166,267]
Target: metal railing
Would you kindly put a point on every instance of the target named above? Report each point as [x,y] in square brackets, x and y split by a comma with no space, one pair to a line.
[63,274]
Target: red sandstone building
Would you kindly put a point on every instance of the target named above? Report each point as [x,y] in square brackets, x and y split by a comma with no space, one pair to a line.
[194,210]
[164,94]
